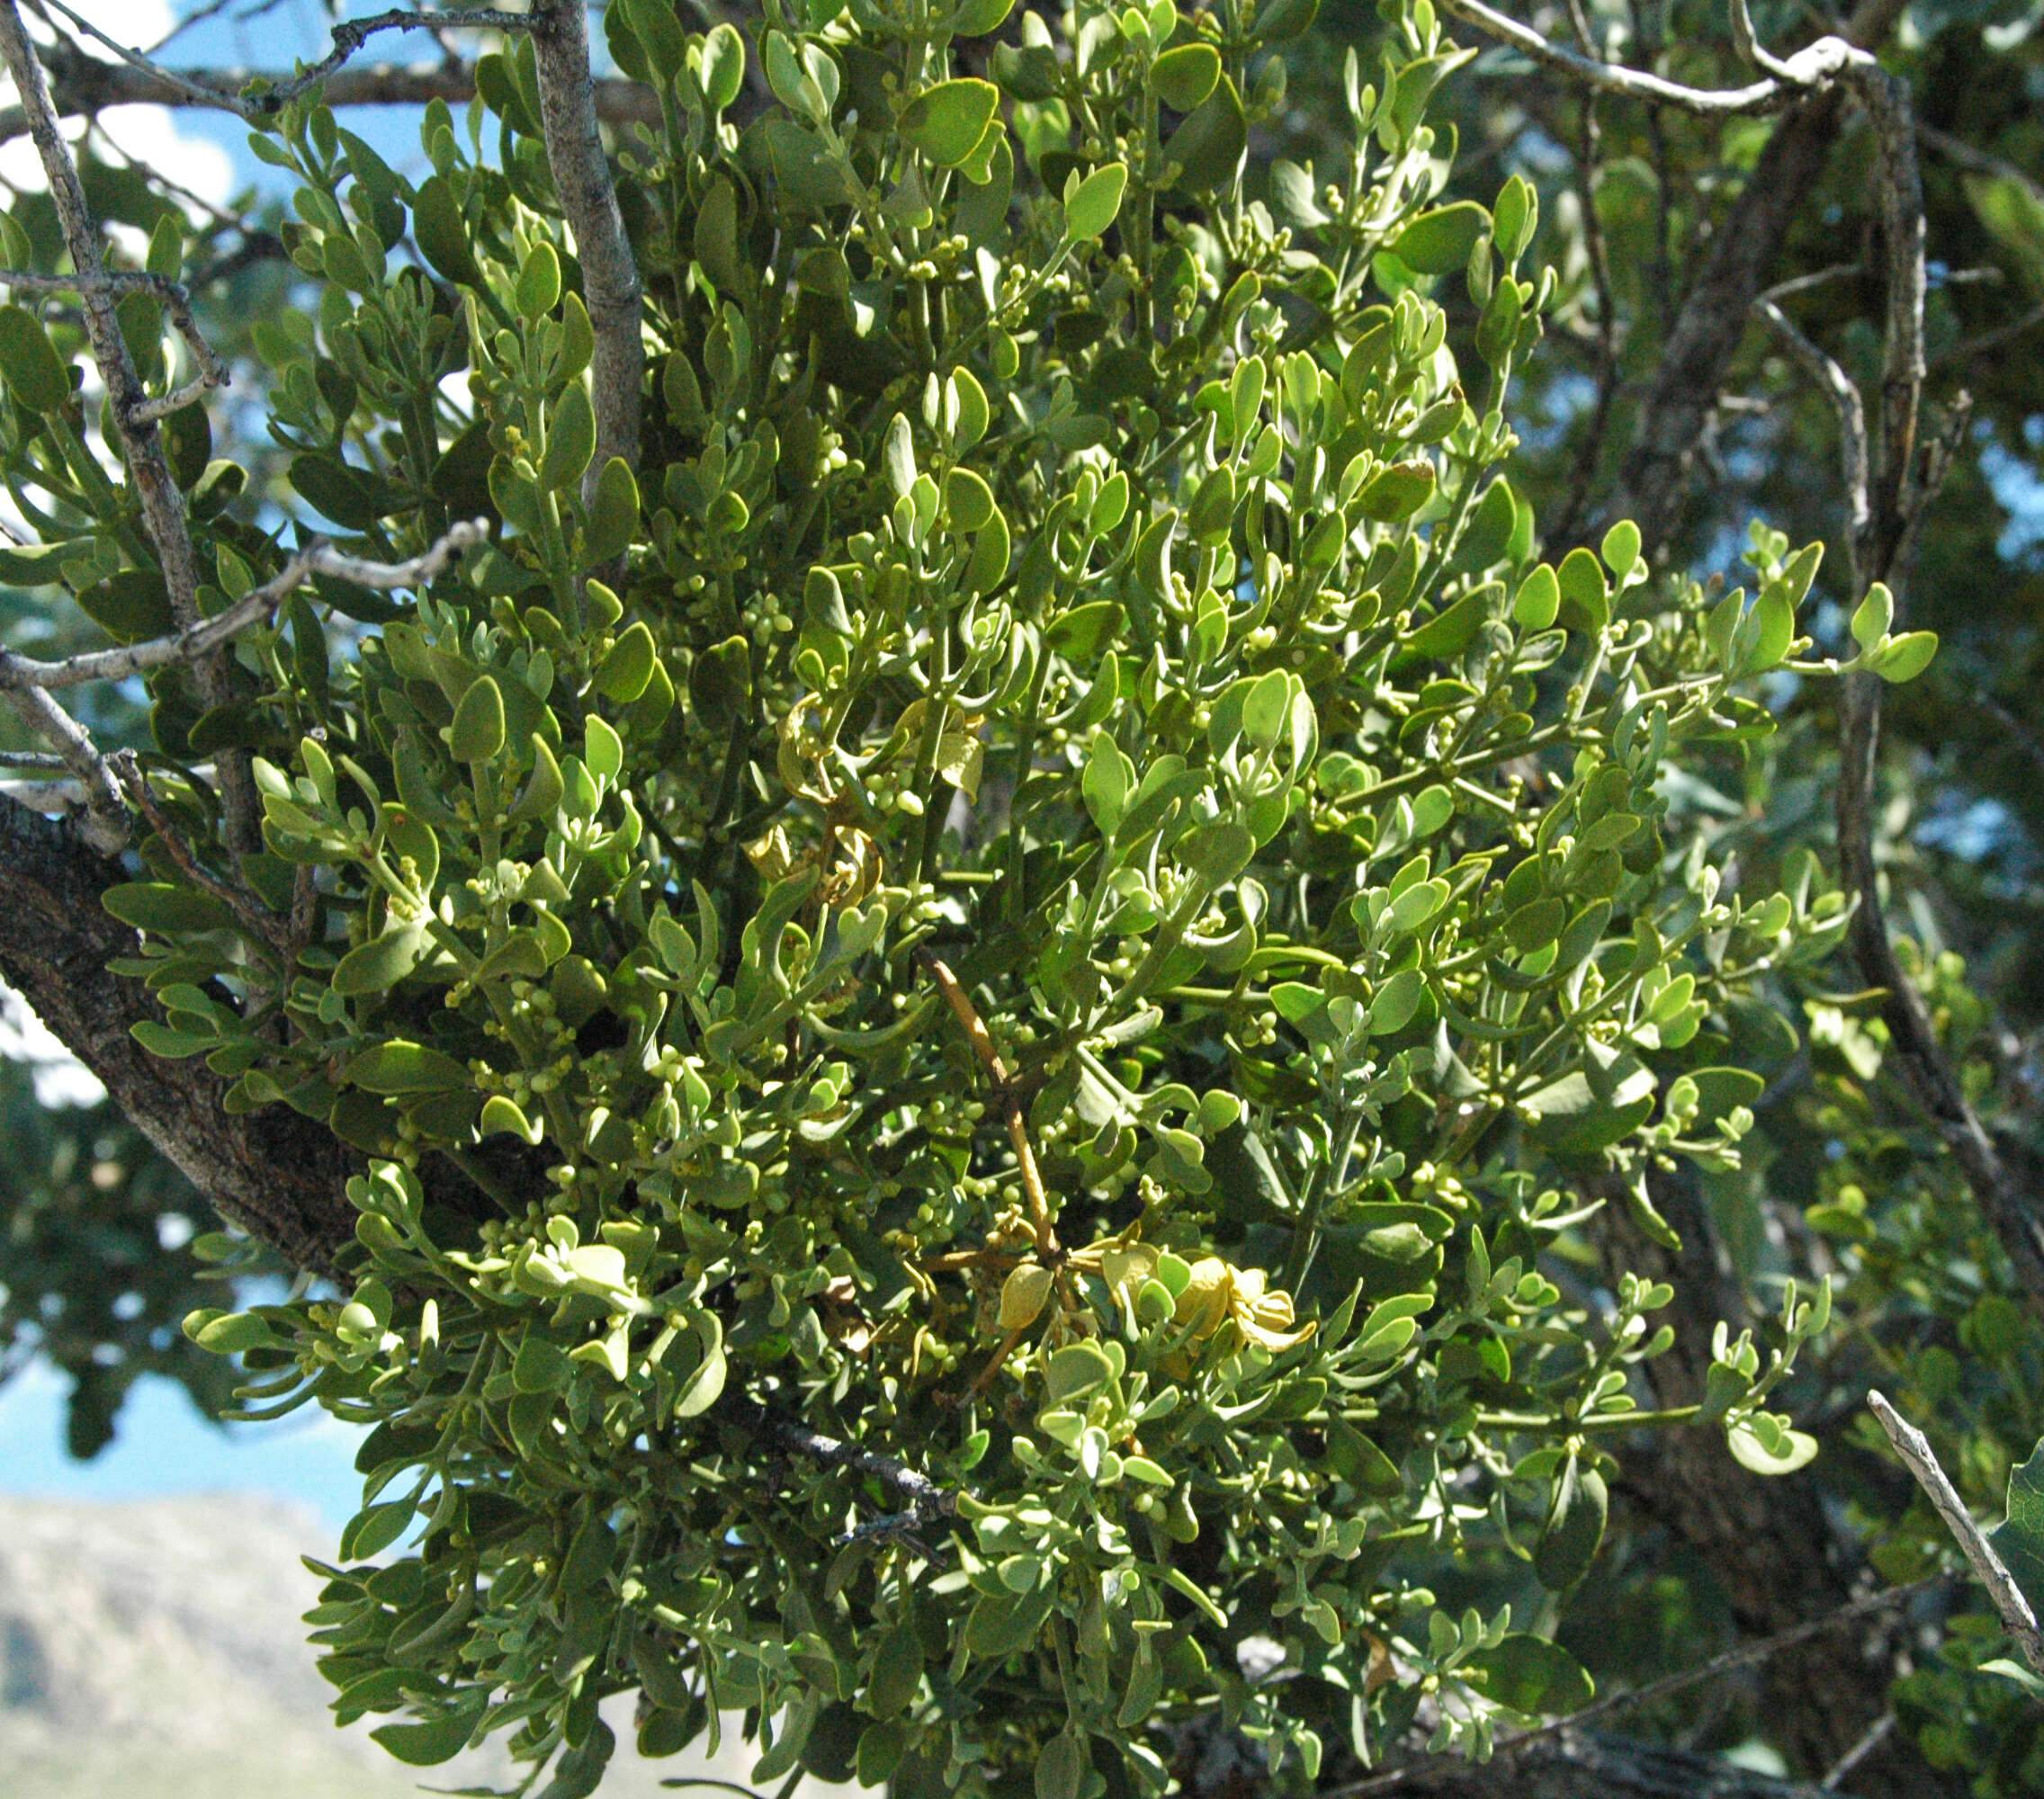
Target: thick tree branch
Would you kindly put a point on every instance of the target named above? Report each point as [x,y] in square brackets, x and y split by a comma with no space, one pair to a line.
[277,1175]
[1712,320]
[581,177]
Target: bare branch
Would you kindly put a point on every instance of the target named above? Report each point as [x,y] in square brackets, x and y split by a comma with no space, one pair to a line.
[2010,1604]
[20,673]
[1811,68]
[141,444]
[581,177]
[176,303]
[105,824]
[349,36]
[84,85]
[1845,397]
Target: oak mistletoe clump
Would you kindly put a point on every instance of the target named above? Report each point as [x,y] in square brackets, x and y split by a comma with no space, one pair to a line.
[977,922]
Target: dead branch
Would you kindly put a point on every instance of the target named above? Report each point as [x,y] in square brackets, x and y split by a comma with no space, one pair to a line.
[1810,69]
[2010,1604]
[177,302]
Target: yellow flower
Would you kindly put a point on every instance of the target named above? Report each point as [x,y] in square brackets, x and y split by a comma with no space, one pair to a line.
[1218,1294]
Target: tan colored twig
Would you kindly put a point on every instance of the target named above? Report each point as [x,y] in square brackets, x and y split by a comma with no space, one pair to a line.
[2007,1598]
[1010,1102]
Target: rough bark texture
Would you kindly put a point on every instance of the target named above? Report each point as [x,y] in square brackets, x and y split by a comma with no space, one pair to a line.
[279,1176]
[1706,334]
[588,200]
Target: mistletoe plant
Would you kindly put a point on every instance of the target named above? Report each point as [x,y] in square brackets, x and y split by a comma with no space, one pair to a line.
[985,963]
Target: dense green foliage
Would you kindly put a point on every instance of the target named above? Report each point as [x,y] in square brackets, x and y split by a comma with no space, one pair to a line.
[1045,563]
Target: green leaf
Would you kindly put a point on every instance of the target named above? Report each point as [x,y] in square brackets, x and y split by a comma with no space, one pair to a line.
[1437,243]
[1185,77]
[1764,1445]
[1538,600]
[1574,1528]
[1585,596]
[946,123]
[398,1067]
[442,235]
[1076,1370]
[160,1040]
[1217,852]
[979,19]
[1533,1675]
[130,606]
[723,65]
[381,963]
[897,1672]
[1061,1767]
[427,1744]
[628,667]
[570,441]
[613,513]
[1210,140]
[159,905]
[539,282]
[1092,206]
[1906,657]
[35,374]
[1395,494]
[478,734]
[1620,547]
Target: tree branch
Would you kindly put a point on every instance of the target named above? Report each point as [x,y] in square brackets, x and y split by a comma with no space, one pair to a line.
[1712,319]
[581,177]
[1813,67]
[281,1176]
[2007,1597]
[85,84]
[177,302]
[141,444]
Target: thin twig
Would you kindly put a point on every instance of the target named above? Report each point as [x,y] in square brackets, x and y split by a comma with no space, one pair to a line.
[19,672]
[156,491]
[243,904]
[349,36]
[1846,402]
[1009,1101]
[1992,1573]
[1870,1739]
[105,824]
[1419,1772]
[1813,67]
[176,300]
